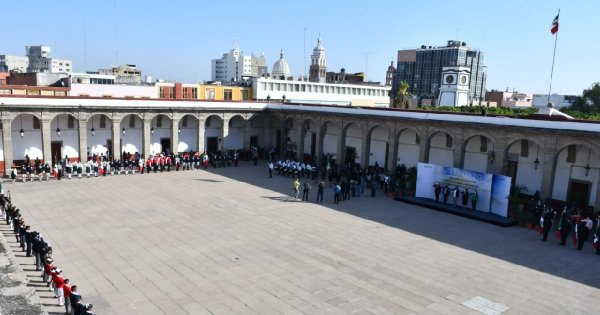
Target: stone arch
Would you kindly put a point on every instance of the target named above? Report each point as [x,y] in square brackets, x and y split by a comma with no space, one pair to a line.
[235,137]
[525,165]
[440,145]
[377,145]
[66,134]
[576,173]
[187,128]
[161,129]
[408,147]
[132,140]
[351,142]
[98,133]
[308,139]
[26,131]
[329,135]
[476,151]
[213,132]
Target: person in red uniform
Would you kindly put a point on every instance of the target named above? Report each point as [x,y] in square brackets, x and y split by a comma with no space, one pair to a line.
[59,283]
[48,268]
[67,294]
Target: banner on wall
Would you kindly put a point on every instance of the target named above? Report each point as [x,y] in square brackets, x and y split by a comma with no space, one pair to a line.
[490,199]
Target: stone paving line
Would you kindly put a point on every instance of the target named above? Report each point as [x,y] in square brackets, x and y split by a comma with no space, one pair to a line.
[232,241]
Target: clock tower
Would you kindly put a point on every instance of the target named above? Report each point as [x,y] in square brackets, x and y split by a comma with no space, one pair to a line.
[454,87]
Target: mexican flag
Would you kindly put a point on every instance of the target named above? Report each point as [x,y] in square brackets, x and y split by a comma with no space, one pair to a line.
[554,25]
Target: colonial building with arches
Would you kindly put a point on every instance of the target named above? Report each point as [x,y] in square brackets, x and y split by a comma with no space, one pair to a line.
[561,159]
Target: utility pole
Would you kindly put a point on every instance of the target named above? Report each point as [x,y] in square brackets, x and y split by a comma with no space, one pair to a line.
[367,54]
[305,29]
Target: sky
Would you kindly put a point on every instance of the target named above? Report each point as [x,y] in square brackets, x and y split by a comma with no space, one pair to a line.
[176,40]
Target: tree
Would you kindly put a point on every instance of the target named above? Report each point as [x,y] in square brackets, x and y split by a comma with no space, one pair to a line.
[402,99]
[589,102]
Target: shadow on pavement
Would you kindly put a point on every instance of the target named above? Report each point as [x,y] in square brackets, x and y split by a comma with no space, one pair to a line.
[512,244]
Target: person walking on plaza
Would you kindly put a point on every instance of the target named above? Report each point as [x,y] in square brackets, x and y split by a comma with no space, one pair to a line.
[270,167]
[67,294]
[337,191]
[474,199]
[546,224]
[296,187]
[597,235]
[306,190]
[320,190]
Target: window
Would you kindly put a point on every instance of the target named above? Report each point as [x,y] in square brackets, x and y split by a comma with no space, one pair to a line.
[102,121]
[36,123]
[448,141]
[245,95]
[70,122]
[524,148]
[210,93]
[484,144]
[172,93]
[572,153]
[159,121]
[184,121]
[195,93]
[228,94]
[131,121]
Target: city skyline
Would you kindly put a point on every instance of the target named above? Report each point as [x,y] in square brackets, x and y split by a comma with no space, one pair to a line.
[357,36]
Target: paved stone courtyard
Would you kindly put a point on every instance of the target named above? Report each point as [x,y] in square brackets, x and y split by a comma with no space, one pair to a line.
[232,241]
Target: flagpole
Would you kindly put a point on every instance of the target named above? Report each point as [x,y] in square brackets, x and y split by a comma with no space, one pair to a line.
[553,56]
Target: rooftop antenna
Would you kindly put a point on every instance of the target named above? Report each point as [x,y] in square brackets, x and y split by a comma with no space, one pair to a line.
[116,37]
[304,40]
[84,47]
[367,54]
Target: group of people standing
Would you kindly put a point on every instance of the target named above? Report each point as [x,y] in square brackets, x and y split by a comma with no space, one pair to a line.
[346,182]
[102,165]
[34,245]
[566,222]
[457,194]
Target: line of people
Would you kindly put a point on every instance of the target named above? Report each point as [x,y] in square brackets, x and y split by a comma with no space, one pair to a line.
[347,181]
[565,223]
[34,245]
[465,196]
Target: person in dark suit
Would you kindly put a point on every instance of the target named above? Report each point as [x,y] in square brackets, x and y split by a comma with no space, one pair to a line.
[564,227]
[446,194]
[547,224]
[437,189]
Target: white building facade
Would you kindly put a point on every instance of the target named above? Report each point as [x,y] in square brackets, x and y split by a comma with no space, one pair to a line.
[320,93]
[232,66]
[37,59]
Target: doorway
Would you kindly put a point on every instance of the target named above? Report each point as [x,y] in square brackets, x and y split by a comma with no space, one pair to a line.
[254,141]
[212,145]
[579,193]
[350,156]
[313,141]
[56,151]
[165,145]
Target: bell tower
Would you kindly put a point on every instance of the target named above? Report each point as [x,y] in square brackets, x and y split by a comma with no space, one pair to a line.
[318,64]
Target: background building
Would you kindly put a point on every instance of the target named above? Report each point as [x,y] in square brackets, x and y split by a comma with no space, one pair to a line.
[234,66]
[37,59]
[559,101]
[127,74]
[422,69]
[318,64]
[281,69]
[509,99]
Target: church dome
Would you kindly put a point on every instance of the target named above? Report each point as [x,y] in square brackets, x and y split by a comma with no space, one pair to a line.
[281,68]
[319,49]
